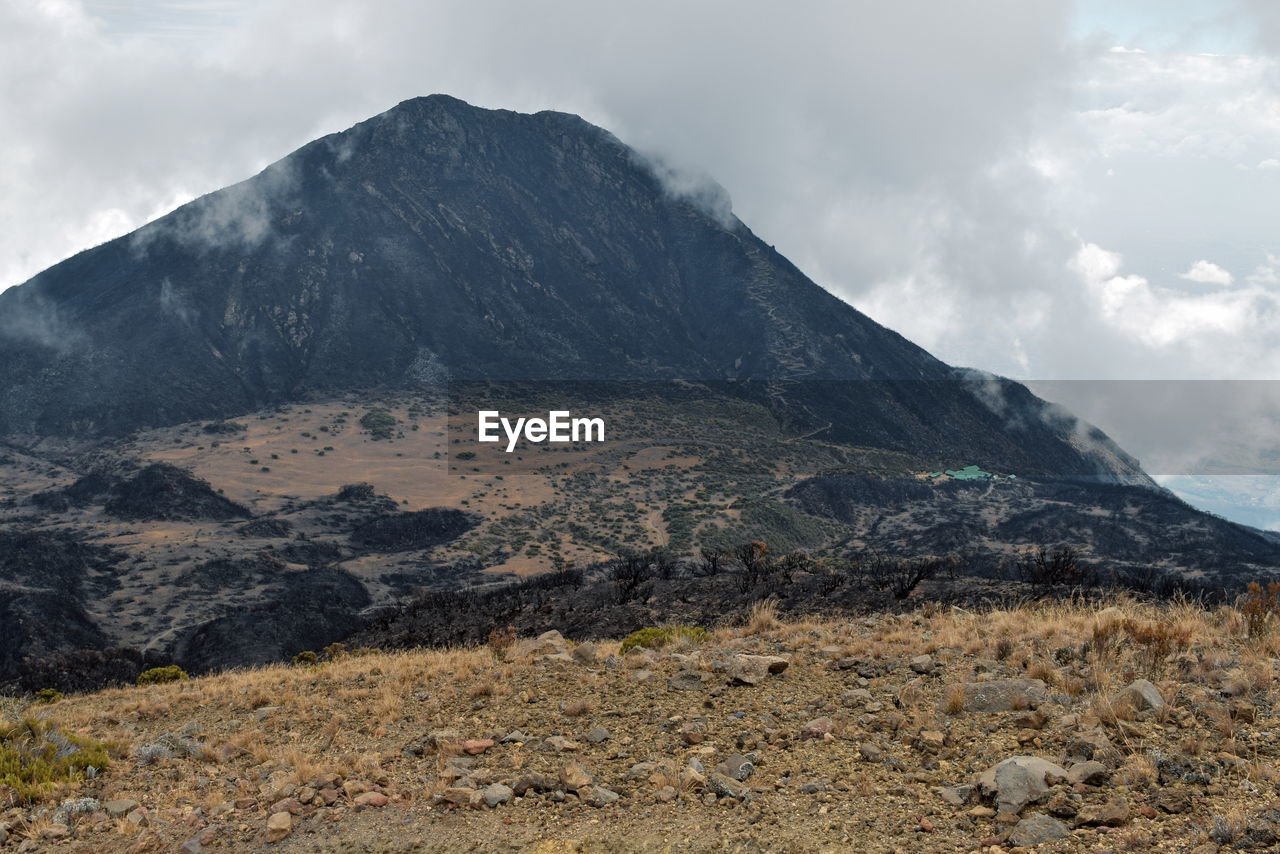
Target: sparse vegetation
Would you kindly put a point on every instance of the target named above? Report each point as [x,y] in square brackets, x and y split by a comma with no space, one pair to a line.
[657,637]
[38,759]
[1259,605]
[162,675]
[47,696]
[1190,743]
[380,423]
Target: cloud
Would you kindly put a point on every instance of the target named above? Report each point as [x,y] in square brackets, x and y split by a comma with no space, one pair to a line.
[1236,328]
[938,167]
[1207,273]
[1266,273]
[697,188]
[952,169]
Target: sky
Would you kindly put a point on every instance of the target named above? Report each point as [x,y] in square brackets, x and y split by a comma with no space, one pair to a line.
[1053,191]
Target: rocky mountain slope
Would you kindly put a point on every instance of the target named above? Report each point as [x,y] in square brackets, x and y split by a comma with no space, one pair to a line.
[439,240]
[219,544]
[1112,727]
[245,429]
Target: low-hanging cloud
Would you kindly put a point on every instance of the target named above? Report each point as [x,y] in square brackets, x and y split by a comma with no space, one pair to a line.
[941,166]
[695,187]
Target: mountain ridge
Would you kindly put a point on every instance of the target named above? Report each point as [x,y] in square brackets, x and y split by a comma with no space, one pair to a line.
[440,240]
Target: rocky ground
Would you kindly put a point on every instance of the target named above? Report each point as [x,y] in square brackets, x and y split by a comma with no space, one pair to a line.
[1053,728]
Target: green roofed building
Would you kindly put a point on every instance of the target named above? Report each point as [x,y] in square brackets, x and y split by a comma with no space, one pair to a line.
[969,473]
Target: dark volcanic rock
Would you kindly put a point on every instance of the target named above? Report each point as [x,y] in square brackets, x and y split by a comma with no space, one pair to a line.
[161,492]
[82,669]
[418,530]
[44,578]
[39,559]
[440,241]
[36,623]
[91,488]
[266,528]
[313,609]
[230,573]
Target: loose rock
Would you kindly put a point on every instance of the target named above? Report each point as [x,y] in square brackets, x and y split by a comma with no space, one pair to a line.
[754,669]
[279,825]
[1004,695]
[1020,780]
[1037,828]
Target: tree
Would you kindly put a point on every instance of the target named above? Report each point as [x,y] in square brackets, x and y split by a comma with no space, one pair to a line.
[1052,568]
[711,560]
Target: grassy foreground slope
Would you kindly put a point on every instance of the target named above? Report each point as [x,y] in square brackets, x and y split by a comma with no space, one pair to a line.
[1140,728]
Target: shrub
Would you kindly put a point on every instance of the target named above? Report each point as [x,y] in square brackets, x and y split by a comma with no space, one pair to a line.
[1052,568]
[162,675]
[756,564]
[500,639]
[225,427]
[380,423]
[711,560]
[36,759]
[48,695]
[655,637]
[629,573]
[305,658]
[1258,604]
[900,576]
[334,651]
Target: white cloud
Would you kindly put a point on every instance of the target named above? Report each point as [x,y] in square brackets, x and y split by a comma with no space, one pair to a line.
[1269,163]
[940,171]
[1234,328]
[1267,273]
[1207,273]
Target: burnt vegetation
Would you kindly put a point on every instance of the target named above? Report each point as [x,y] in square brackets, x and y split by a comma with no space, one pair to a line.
[161,492]
[421,529]
[719,586]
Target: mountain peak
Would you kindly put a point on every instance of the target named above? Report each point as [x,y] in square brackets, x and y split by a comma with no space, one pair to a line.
[487,244]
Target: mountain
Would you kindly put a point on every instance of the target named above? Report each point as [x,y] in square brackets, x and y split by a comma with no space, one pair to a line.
[246,430]
[442,240]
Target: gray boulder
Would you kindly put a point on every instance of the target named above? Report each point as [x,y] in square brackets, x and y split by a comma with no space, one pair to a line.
[1004,695]
[754,669]
[1037,828]
[1019,781]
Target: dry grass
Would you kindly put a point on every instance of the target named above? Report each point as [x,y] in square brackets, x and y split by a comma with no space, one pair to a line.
[577,708]
[953,700]
[353,716]
[763,617]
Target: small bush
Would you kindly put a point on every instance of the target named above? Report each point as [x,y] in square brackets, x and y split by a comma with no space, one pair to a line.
[380,423]
[1257,605]
[500,639]
[225,427]
[46,696]
[36,759]
[711,560]
[655,637]
[162,675]
[305,658]
[1050,568]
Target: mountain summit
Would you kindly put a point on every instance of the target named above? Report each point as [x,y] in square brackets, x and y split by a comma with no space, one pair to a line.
[443,241]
